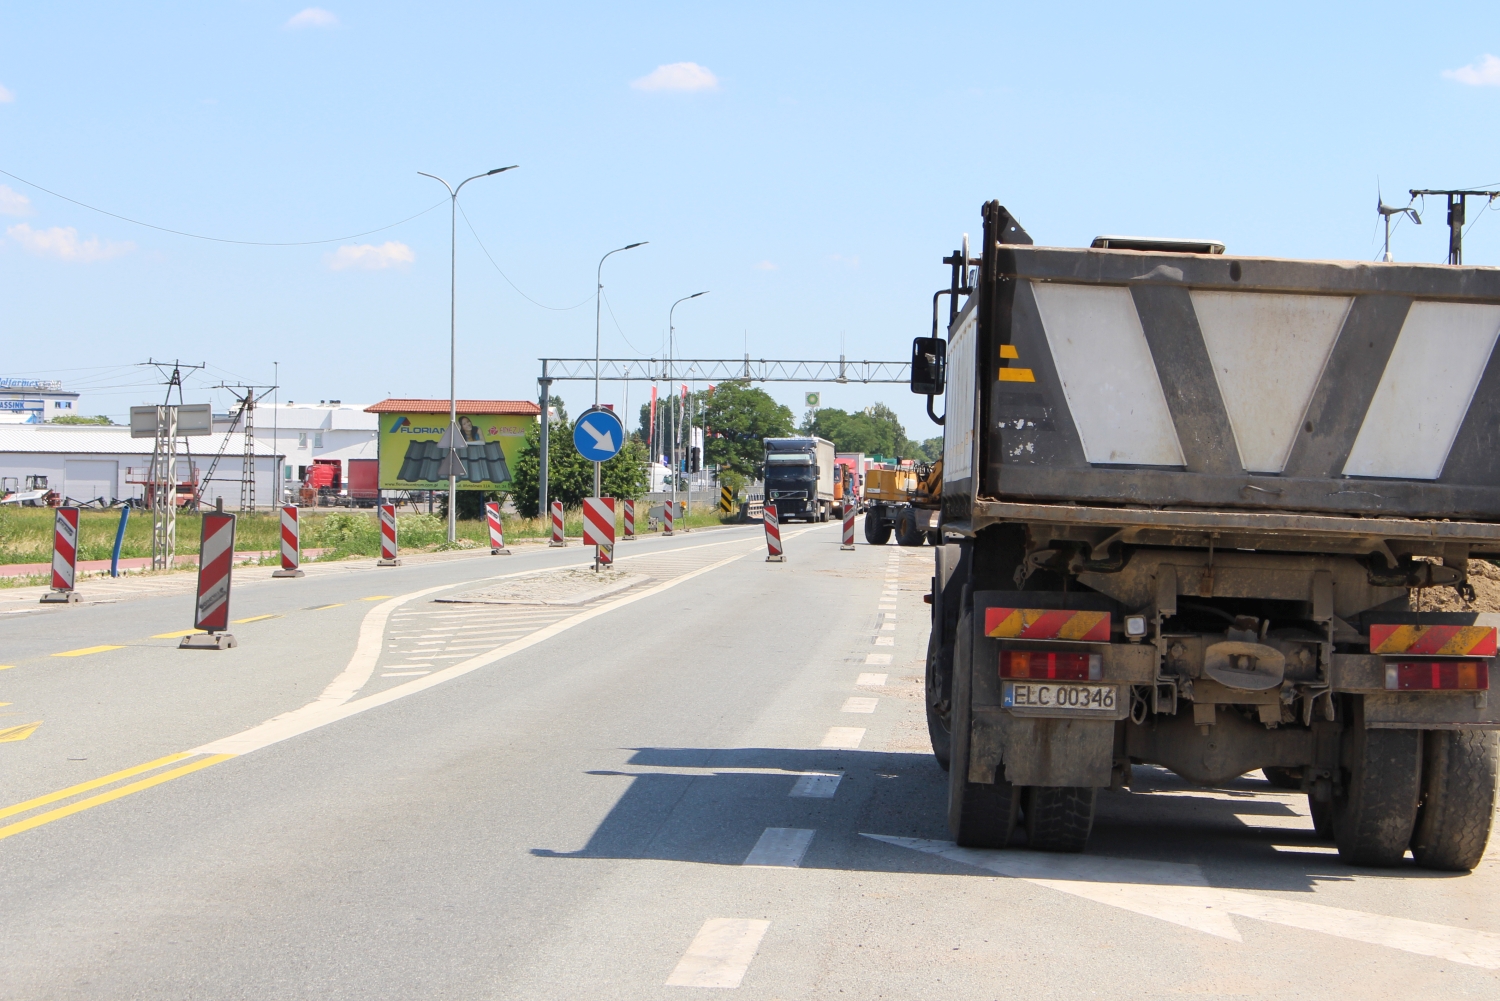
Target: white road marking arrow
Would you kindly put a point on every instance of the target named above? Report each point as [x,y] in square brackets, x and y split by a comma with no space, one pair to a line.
[1175,892]
[602,439]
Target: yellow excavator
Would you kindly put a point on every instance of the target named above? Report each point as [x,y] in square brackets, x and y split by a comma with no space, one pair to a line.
[906,501]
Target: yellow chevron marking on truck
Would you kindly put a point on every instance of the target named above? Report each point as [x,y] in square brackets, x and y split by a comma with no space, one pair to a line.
[1008,351]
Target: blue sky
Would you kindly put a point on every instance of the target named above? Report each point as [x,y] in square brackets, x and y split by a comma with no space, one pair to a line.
[810,166]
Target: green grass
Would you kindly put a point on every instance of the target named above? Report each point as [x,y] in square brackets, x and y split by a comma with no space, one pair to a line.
[26,533]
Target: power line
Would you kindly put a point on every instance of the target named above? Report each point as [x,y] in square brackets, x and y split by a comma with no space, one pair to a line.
[214,239]
[523,295]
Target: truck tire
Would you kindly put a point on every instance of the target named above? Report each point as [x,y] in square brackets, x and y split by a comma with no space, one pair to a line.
[935,537]
[1283,778]
[1059,818]
[907,532]
[937,721]
[980,814]
[1375,811]
[1322,817]
[877,532]
[1459,770]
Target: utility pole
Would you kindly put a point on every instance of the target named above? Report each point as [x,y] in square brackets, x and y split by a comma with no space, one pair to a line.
[161,479]
[598,302]
[1457,206]
[676,428]
[451,461]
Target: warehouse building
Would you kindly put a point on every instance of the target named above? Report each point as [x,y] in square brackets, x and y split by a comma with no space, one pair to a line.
[91,463]
[302,432]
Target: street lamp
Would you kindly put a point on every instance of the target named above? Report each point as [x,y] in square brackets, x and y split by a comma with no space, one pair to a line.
[672,388]
[452,459]
[598,296]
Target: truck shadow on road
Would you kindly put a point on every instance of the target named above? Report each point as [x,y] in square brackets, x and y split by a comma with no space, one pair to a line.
[711,806]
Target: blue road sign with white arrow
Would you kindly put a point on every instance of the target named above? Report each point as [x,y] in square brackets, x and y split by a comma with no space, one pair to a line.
[599,435]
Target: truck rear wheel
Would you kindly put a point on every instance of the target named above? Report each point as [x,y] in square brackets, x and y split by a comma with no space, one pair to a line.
[1283,778]
[877,532]
[907,532]
[1459,770]
[937,720]
[980,814]
[1375,811]
[1059,818]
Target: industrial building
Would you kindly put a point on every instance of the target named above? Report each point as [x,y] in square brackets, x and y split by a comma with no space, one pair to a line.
[32,401]
[87,463]
[302,432]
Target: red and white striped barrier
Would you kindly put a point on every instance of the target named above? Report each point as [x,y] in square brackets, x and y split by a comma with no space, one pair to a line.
[291,543]
[497,532]
[64,557]
[557,525]
[848,527]
[599,527]
[773,536]
[388,537]
[666,513]
[215,562]
[629,520]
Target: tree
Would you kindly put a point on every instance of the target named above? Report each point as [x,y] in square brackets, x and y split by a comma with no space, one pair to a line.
[570,477]
[739,418]
[874,431]
[80,419]
[932,448]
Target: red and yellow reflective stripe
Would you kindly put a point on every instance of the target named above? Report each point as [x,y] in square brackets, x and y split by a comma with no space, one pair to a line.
[1046,624]
[1434,641]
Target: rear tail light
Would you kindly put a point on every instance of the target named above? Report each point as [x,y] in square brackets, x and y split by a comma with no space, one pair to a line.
[1436,675]
[1051,665]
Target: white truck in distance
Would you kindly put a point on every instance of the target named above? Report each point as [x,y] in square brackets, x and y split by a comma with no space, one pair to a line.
[799,477]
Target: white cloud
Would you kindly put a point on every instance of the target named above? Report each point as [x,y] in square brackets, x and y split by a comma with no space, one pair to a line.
[848,262]
[1486,74]
[14,203]
[678,76]
[765,266]
[313,17]
[62,242]
[368,257]
[5,95]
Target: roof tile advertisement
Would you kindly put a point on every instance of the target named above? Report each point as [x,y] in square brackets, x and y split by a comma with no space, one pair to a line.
[410,456]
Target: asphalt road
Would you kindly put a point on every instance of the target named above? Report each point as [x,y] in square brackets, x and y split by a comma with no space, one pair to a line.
[714,776]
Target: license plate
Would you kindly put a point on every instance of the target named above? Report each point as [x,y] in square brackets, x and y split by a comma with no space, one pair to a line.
[1053,697]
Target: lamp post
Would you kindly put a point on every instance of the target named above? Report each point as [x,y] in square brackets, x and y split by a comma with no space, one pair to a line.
[598,298]
[672,385]
[452,458]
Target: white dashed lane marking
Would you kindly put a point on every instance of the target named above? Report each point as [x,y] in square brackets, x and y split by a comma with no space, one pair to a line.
[878,658]
[845,738]
[720,953]
[782,847]
[817,785]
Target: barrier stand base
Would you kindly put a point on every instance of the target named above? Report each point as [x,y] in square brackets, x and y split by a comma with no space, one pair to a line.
[500,552]
[776,559]
[287,573]
[387,563]
[208,641]
[847,549]
[60,598]
[627,538]
[557,545]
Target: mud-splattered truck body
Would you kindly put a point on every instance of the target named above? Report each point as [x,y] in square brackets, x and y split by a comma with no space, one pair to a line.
[1197,509]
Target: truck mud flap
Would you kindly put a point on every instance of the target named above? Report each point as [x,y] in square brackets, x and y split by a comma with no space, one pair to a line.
[1041,752]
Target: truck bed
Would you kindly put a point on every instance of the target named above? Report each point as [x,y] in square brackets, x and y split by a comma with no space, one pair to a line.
[1140,380]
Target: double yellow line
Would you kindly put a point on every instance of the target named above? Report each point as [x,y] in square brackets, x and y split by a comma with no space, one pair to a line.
[77,806]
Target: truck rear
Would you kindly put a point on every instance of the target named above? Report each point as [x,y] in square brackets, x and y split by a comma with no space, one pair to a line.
[799,475]
[1197,512]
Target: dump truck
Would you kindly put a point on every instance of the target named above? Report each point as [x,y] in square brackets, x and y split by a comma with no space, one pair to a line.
[905,501]
[799,477]
[1197,512]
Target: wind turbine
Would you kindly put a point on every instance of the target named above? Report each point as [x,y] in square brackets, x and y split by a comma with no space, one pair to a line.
[1386,212]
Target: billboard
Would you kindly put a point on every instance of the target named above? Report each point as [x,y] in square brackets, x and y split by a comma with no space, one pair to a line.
[410,456]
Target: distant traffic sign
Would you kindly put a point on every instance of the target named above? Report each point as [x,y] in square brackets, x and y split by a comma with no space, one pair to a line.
[599,435]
